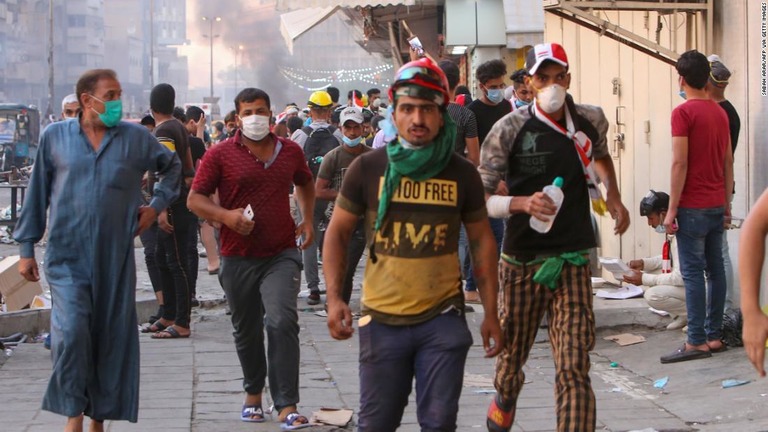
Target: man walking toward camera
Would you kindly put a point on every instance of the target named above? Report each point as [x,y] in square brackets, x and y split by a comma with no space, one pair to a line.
[88,174]
[415,193]
[260,264]
[548,273]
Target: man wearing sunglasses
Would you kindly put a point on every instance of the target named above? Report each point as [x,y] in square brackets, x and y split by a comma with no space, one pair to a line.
[414,193]
[548,272]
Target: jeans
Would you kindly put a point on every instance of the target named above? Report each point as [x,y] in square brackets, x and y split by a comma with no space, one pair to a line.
[309,255]
[173,262]
[699,241]
[731,298]
[149,241]
[434,352]
[497,226]
[354,252]
[261,293]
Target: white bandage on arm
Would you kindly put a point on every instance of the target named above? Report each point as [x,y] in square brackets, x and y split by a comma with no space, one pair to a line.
[498,206]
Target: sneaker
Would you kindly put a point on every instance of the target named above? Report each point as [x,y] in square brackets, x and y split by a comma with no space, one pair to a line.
[679,322]
[313,298]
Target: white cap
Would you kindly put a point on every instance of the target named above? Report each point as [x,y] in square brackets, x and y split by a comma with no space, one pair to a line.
[68,99]
[353,113]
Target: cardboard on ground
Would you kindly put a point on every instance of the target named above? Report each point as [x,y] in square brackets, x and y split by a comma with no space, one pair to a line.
[17,291]
[625,339]
[332,416]
[616,266]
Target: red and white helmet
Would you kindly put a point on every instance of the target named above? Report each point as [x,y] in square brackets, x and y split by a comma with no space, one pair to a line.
[422,73]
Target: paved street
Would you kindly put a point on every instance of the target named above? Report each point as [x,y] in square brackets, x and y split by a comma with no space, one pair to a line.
[195,384]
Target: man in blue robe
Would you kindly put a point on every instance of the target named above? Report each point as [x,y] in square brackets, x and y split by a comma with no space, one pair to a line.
[88,174]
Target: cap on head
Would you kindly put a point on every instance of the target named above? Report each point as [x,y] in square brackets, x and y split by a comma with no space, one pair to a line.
[422,79]
[320,99]
[654,202]
[353,113]
[68,99]
[718,74]
[542,53]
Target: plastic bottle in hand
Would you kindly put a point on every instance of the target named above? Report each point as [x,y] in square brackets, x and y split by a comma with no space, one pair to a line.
[555,192]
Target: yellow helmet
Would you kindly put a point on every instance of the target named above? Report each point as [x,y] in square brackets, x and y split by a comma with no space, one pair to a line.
[320,99]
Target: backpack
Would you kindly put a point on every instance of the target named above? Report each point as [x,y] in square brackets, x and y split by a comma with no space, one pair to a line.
[319,142]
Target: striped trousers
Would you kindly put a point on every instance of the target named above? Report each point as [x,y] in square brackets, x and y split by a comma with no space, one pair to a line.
[522,304]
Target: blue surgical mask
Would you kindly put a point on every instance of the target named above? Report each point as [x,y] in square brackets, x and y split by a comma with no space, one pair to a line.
[495,95]
[352,142]
[661,229]
[521,103]
[308,121]
[113,112]
[682,94]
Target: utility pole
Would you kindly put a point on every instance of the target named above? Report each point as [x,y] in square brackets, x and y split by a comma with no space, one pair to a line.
[211,20]
[151,43]
[50,58]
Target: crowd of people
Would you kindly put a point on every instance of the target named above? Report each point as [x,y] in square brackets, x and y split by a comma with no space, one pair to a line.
[439,190]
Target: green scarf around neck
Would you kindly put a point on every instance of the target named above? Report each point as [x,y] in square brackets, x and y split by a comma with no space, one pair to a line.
[419,165]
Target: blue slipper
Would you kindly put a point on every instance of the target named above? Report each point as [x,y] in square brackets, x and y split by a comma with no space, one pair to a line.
[290,419]
[252,414]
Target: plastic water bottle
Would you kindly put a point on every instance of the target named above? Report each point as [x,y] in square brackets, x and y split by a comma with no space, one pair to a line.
[555,192]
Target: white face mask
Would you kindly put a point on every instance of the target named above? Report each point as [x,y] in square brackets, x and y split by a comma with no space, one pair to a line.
[255,127]
[551,98]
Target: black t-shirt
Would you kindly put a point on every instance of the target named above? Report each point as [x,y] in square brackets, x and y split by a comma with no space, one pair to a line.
[734,122]
[197,147]
[488,115]
[172,134]
[528,155]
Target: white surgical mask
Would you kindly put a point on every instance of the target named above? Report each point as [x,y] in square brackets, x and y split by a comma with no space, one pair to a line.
[551,98]
[660,229]
[255,127]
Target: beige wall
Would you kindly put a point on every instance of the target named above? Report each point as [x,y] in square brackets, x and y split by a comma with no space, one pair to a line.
[648,93]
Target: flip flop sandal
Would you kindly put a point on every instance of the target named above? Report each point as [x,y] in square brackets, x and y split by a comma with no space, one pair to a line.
[497,419]
[171,331]
[158,327]
[252,414]
[722,348]
[682,355]
[290,419]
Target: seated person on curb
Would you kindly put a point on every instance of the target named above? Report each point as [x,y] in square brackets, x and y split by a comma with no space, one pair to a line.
[665,290]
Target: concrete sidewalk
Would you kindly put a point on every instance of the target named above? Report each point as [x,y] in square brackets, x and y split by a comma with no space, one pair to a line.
[195,384]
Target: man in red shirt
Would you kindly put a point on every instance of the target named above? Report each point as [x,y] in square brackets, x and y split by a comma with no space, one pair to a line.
[702,184]
[260,265]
